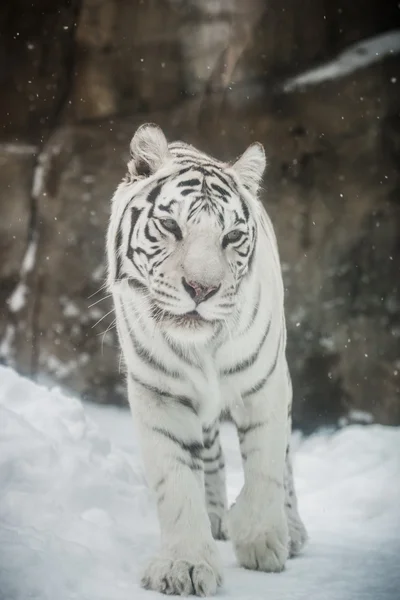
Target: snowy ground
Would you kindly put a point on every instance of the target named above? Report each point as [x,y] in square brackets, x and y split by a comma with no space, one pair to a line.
[77,521]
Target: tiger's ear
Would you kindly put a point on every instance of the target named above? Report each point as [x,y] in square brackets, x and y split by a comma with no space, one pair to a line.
[250,167]
[149,150]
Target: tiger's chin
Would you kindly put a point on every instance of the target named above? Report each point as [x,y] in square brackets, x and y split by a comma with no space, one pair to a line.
[189,327]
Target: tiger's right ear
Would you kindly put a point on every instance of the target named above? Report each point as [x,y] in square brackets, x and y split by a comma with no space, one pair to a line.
[149,150]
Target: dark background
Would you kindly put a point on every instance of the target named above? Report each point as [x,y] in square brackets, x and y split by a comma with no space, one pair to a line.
[78,77]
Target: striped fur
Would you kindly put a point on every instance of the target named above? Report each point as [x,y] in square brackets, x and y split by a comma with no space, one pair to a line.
[194,270]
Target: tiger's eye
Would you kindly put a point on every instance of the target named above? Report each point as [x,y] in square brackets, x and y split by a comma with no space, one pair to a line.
[172,226]
[234,236]
[231,237]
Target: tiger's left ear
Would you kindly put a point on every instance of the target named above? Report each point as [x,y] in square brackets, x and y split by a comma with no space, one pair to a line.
[149,150]
[250,167]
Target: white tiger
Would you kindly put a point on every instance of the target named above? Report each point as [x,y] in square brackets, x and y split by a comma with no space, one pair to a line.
[194,271]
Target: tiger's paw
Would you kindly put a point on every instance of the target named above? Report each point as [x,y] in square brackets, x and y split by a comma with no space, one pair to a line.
[268,552]
[261,545]
[181,577]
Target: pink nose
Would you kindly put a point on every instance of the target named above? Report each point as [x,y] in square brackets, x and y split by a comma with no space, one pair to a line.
[198,291]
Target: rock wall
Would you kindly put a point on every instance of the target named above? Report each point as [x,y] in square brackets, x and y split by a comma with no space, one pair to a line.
[78,77]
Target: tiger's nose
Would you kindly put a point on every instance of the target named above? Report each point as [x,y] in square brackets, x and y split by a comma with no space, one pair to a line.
[198,291]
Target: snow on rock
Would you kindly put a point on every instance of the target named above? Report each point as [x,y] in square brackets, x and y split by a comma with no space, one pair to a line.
[22,149]
[17,299]
[356,57]
[7,341]
[77,520]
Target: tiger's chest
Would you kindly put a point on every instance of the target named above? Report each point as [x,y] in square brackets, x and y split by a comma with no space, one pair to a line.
[224,374]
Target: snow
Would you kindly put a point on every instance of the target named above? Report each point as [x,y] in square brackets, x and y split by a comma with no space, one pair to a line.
[7,340]
[21,149]
[17,299]
[29,259]
[77,520]
[357,56]
[38,178]
[70,309]
[357,416]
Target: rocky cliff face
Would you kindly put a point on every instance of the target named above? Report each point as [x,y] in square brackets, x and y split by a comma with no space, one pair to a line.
[79,77]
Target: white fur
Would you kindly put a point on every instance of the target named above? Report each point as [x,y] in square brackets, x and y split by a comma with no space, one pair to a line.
[251,166]
[148,146]
[176,405]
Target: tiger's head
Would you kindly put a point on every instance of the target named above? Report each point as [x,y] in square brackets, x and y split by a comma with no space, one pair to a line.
[183,230]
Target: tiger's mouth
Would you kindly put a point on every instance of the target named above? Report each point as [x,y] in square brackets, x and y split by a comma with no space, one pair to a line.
[191,319]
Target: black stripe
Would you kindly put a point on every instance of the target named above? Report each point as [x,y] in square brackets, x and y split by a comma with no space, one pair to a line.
[250,260]
[183,400]
[219,189]
[195,448]
[136,284]
[118,242]
[258,386]
[193,465]
[166,207]
[148,235]
[209,169]
[189,153]
[145,355]
[178,516]
[188,191]
[179,173]
[251,257]
[156,224]
[245,209]
[230,184]
[213,471]
[189,183]
[135,214]
[213,458]
[149,255]
[248,362]
[209,429]
[159,484]
[155,192]
[242,254]
[178,352]
[242,431]
[166,295]
[254,313]
[209,442]
[216,504]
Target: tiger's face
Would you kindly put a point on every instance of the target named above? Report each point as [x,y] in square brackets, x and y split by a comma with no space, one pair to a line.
[183,231]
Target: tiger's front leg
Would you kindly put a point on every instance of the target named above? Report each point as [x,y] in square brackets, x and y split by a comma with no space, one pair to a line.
[214,467]
[172,445]
[257,521]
